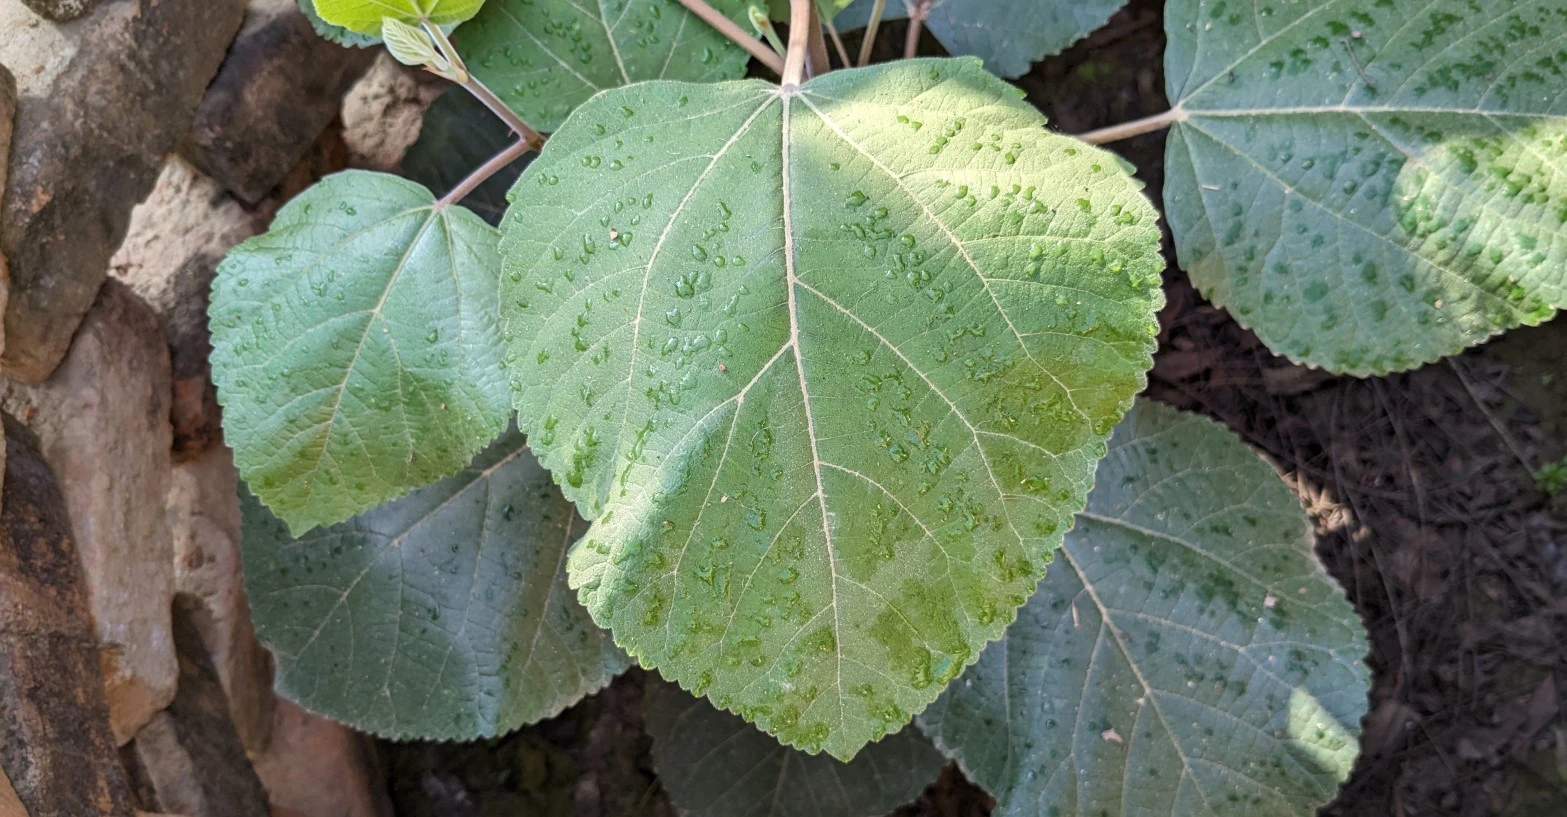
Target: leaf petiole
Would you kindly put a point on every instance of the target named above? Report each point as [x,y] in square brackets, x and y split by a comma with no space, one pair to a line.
[918,11]
[872,28]
[1136,127]
[735,33]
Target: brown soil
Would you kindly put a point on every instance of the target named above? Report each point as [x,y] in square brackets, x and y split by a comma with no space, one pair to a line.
[1421,487]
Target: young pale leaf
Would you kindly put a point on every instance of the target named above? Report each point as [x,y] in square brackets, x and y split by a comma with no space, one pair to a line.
[546,57]
[408,44]
[444,614]
[336,34]
[364,16]
[714,764]
[458,135]
[831,369]
[1185,655]
[1009,35]
[355,347]
[1370,186]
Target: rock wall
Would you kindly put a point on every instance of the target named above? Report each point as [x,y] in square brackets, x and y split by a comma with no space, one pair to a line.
[140,140]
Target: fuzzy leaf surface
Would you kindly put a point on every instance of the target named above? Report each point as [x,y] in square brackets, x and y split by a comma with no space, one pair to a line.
[1009,35]
[829,369]
[1371,186]
[356,348]
[364,16]
[442,615]
[714,764]
[546,57]
[1186,654]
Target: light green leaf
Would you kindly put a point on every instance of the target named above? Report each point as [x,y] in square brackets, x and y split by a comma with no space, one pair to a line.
[355,347]
[546,57]
[364,16]
[336,34]
[1185,655]
[714,764]
[442,615]
[831,369]
[1009,35]
[458,135]
[1371,186]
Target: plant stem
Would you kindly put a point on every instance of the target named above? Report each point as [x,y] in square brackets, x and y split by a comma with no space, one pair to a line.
[871,29]
[486,170]
[499,108]
[816,61]
[837,41]
[728,28]
[1136,127]
[799,42]
[918,10]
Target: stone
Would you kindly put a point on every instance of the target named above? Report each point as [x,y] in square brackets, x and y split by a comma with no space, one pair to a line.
[204,518]
[189,755]
[280,86]
[172,249]
[101,101]
[384,111]
[57,749]
[102,421]
[7,120]
[61,10]
[314,767]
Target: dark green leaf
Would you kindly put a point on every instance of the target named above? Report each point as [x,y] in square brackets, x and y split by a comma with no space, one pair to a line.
[1371,186]
[443,615]
[714,764]
[1185,655]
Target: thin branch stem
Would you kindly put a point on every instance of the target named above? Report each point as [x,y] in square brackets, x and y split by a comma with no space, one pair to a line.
[837,40]
[728,28]
[483,93]
[816,62]
[486,170]
[918,10]
[871,29]
[799,42]
[1136,127]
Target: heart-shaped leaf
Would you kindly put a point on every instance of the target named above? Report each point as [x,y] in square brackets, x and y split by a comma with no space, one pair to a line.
[546,57]
[355,347]
[1370,186]
[442,615]
[364,16]
[1009,35]
[714,764]
[1185,655]
[830,368]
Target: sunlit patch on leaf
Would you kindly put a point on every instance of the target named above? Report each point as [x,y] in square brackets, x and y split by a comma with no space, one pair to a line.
[364,16]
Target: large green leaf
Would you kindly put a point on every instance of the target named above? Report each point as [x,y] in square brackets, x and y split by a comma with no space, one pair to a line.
[714,764]
[355,347]
[443,615]
[336,34]
[1371,186]
[831,369]
[364,16]
[1185,655]
[1009,35]
[546,57]
[458,135]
